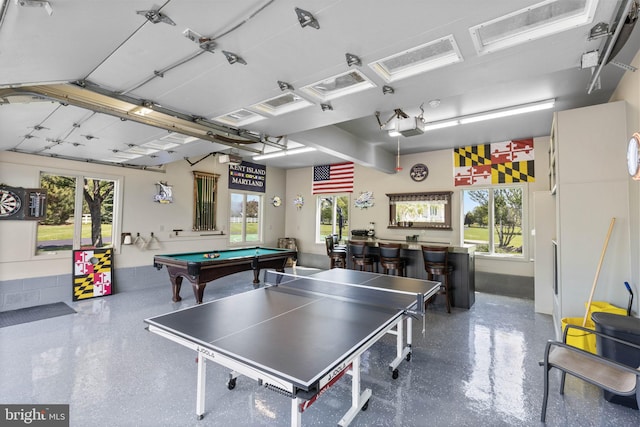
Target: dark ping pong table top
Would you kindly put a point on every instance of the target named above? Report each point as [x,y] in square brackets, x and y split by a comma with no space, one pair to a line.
[291,333]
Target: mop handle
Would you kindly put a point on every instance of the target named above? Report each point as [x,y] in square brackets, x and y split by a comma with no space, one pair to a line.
[595,279]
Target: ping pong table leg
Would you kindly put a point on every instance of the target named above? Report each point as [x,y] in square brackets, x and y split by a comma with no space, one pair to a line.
[359,401]
[200,390]
[296,415]
[402,351]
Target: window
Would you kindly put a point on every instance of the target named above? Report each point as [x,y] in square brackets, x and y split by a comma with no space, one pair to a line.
[245,217]
[205,190]
[493,220]
[80,213]
[332,216]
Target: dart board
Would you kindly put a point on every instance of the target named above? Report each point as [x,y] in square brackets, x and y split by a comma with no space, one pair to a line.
[17,203]
[10,203]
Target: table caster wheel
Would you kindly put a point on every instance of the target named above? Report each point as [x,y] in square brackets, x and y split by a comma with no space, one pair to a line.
[231,384]
[201,416]
[394,374]
[365,406]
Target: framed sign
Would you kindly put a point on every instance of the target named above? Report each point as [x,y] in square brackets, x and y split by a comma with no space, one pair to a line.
[419,172]
[92,275]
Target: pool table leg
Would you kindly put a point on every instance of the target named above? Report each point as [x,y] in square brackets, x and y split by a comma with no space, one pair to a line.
[198,291]
[176,284]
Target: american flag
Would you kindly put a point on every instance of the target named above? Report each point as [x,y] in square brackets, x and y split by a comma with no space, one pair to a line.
[336,178]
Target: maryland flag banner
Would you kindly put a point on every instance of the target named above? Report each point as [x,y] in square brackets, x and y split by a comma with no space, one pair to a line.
[497,163]
[91,273]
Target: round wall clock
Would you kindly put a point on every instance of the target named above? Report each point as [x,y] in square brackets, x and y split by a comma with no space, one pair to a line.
[633,156]
[419,172]
[276,201]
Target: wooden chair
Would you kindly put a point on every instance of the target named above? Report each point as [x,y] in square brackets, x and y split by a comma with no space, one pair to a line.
[337,257]
[360,259]
[600,371]
[390,259]
[436,264]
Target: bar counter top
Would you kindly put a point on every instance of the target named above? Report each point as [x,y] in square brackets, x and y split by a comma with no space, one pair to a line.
[416,245]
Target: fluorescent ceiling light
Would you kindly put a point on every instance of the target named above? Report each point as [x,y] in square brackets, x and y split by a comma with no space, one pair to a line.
[487,115]
[510,111]
[440,125]
[283,153]
[141,111]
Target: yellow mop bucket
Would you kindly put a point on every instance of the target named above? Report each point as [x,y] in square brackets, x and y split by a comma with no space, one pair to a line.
[578,338]
[586,340]
[597,306]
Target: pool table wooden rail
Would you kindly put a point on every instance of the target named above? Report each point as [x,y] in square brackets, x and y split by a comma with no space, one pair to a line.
[200,272]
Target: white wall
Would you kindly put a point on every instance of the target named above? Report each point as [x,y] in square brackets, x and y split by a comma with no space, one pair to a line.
[629,90]
[301,223]
[140,214]
[592,190]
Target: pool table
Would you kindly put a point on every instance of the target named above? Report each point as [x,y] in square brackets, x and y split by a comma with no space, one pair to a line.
[199,268]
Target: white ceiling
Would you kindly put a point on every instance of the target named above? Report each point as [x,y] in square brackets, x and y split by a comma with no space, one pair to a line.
[115,51]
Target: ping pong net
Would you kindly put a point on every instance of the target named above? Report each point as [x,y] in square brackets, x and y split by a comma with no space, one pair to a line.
[392,299]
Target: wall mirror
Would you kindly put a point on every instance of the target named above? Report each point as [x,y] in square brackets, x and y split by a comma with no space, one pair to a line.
[420,210]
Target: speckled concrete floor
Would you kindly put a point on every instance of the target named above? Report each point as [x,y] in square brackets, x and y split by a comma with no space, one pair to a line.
[476,367]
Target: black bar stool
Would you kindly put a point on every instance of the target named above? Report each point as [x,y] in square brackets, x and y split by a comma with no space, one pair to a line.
[361,260]
[337,257]
[390,259]
[436,264]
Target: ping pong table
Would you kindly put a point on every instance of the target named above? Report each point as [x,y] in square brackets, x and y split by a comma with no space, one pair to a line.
[298,335]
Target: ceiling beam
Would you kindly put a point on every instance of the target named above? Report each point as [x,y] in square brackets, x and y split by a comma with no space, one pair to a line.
[139,111]
[340,143]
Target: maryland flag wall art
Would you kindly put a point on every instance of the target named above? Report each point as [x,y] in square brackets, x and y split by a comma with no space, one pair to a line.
[496,163]
[91,273]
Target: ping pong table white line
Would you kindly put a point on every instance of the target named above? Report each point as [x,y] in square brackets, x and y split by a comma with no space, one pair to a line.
[355,285]
[402,351]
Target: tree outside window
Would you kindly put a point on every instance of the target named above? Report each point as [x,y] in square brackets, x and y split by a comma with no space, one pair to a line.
[80,213]
[493,220]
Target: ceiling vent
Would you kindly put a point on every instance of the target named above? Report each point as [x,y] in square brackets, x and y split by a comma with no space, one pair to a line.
[239,117]
[531,23]
[281,104]
[343,84]
[420,59]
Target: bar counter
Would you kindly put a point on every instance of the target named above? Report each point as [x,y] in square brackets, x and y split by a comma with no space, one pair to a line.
[462,286]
